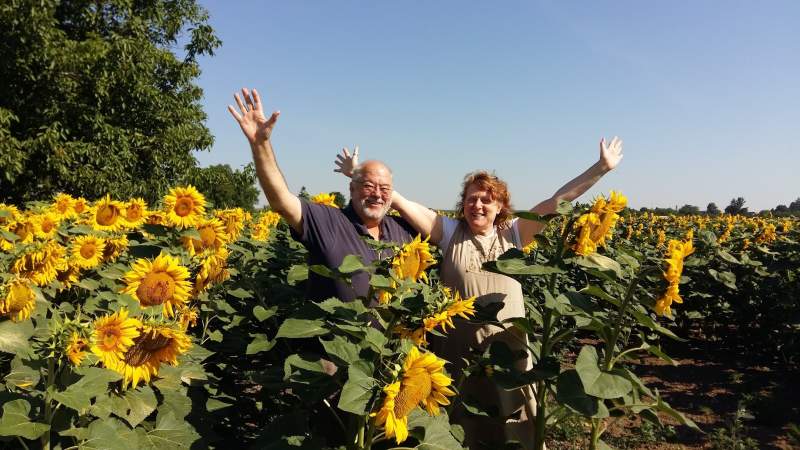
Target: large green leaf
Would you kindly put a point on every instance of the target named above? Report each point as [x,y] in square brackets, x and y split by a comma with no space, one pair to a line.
[94,382]
[570,392]
[517,266]
[14,337]
[109,434]
[433,433]
[134,405]
[342,350]
[297,273]
[350,264]
[16,422]
[260,343]
[597,382]
[168,433]
[301,328]
[22,375]
[358,391]
[600,262]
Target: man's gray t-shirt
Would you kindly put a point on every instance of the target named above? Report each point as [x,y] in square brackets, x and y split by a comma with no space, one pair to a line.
[330,234]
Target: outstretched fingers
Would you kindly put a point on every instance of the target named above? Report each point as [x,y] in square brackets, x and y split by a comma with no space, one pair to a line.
[234,113]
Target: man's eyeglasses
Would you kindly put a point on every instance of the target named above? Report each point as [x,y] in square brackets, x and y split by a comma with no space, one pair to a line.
[369,187]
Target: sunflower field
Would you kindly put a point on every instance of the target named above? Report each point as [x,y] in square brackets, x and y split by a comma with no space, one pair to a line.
[128,325]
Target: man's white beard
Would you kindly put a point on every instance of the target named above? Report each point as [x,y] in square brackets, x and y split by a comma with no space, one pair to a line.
[368,212]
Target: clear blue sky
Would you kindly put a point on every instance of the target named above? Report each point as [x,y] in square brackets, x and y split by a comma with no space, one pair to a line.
[706,95]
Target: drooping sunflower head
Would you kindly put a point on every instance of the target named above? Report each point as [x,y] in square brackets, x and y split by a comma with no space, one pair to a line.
[24,227]
[616,202]
[664,303]
[68,277]
[155,344]
[212,237]
[41,263]
[234,220]
[422,383]
[106,214]
[413,259]
[76,348]
[87,251]
[213,269]
[114,247]
[63,205]
[163,281]
[187,317]
[585,225]
[264,225]
[17,299]
[113,335]
[184,206]
[135,213]
[324,198]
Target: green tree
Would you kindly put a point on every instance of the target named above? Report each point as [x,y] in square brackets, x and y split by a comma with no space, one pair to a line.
[689,209]
[736,206]
[225,187]
[94,98]
[712,209]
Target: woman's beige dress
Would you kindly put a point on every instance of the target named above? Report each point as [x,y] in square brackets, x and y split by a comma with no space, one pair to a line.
[462,270]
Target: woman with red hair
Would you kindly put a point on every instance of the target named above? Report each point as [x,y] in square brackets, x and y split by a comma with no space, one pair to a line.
[483,231]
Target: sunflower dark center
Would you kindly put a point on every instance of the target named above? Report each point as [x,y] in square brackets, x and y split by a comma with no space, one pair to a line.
[184,206]
[88,250]
[144,347]
[156,288]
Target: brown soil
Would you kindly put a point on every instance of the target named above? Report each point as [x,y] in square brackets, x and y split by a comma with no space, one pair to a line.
[712,379]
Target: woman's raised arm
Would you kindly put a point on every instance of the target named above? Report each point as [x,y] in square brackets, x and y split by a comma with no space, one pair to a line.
[610,157]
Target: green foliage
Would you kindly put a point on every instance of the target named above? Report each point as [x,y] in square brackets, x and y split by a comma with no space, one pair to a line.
[224,187]
[94,99]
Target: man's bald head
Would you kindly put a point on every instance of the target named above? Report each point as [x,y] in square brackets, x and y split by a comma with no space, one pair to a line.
[371,166]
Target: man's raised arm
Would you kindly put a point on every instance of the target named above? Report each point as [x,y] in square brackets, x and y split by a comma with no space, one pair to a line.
[258,129]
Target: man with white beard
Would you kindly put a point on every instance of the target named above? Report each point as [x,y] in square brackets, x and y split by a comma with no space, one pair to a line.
[328,233]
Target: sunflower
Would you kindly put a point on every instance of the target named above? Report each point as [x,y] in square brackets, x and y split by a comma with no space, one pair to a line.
[63,206]
[114,247]
[461,307]
[412,260]
[87,251]
[423,382]
[69,276]
[46,225]
[106,214]
[187,317]
[234,220]
[184,206]
[135,213]
[324,198]
[584,245]
[264,225]
[8,214]
[678,251]
[41,263]
[156,218]
[25,229]
[80,206]
[439,319]
[212,237]
[76,348]
[19,299]
[214,269]
[113,335]
[162,281]
[154,345]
